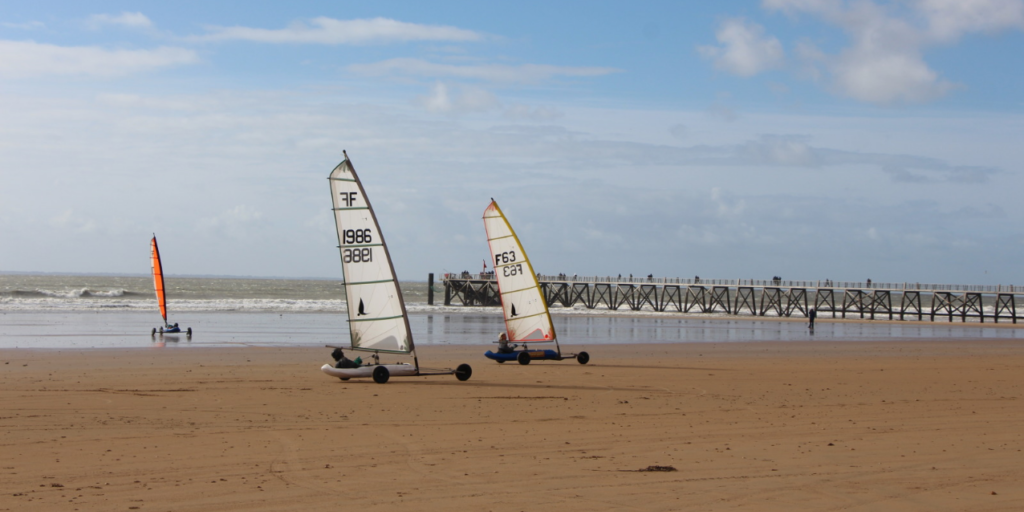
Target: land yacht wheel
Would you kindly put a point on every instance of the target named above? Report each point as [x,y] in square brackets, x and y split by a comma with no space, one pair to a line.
[523,358]
[583,358]
[463,372]
[153,333]
[381,375]
[343,378]
[500,361]
[189,332]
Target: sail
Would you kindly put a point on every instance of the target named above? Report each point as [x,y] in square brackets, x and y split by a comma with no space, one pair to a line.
[526,312]
[376,311]
[158,280]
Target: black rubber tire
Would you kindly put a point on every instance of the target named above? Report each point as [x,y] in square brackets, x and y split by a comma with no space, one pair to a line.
[381,375]
[500,361]
[523,358]
[189,332]
[344,378]
[161,330]
[463,372]
[153,333]
[583,358]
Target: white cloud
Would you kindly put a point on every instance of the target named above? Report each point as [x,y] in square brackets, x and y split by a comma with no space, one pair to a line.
[884,63]
[270,152]
[134,101]
[535,113]
[881,77]
[74,222]
[125,19]
[324,30]
[28,25]
[25,59]
[744,51]
[950,19]
[499,73]
[723,112]
[727,207]
[780,150]
[679,131]
[445,99]
[233,222]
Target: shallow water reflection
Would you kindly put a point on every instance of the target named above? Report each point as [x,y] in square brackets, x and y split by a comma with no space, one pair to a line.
[130,329]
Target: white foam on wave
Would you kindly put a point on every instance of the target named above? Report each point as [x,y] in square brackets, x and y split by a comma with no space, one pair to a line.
[77,293]
[80,303]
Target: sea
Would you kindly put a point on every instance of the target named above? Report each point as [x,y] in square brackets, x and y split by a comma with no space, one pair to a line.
[100,311]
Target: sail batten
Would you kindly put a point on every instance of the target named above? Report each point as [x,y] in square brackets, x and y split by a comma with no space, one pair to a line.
[527,318]
[376,311]
[374,319]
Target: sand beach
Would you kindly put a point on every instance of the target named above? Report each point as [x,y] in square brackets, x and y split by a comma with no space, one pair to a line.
[895,425]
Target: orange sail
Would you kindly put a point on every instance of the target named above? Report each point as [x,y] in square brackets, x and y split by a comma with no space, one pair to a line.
[158,281]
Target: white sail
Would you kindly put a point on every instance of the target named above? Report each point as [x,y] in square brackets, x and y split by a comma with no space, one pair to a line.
[376,311]
[526,312]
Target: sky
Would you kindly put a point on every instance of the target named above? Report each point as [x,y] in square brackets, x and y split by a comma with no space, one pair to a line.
[806,139]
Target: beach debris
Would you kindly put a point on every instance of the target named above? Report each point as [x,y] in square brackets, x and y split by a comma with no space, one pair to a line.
[651,469]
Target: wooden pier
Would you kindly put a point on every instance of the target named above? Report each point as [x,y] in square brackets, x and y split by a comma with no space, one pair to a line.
[868,300]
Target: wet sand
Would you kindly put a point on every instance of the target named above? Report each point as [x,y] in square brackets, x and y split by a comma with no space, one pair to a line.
[900,425]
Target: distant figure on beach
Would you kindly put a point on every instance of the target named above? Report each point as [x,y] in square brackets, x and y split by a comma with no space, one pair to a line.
[696,279]
[503,346]
[812,314]
[869,282]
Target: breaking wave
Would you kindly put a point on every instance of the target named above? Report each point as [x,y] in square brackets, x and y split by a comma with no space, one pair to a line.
[77,293]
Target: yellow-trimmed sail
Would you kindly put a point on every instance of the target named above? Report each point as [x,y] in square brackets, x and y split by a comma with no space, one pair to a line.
[376,311]
[526,312]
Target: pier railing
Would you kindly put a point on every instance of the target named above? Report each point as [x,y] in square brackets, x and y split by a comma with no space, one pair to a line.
[759,297]
[783,283]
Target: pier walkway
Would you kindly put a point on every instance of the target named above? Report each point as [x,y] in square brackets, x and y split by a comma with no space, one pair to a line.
[869,300]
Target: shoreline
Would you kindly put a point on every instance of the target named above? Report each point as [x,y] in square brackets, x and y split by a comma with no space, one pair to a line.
[418,309]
